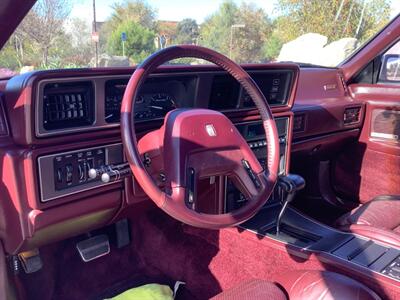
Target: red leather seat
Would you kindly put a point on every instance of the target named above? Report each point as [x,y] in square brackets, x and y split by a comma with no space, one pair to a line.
[378,219]
[301,285]
[253,289]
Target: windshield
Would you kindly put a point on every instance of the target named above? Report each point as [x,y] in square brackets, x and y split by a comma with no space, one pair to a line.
[103,33]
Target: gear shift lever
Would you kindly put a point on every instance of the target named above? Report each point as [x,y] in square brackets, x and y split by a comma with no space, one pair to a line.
[290,184]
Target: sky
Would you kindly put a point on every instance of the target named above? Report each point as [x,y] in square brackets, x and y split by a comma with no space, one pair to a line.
[176,10]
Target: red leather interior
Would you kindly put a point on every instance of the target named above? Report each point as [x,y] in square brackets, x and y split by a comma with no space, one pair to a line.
[4,282]
[301,285]
[304,285]
[377,219]
[357,168]
[22,148]
[253,289]
[174,203]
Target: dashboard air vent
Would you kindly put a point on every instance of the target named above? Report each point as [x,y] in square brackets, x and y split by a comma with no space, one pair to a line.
[67,105]
[351,115]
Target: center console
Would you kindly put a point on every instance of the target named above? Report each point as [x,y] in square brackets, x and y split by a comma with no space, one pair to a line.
[350,251]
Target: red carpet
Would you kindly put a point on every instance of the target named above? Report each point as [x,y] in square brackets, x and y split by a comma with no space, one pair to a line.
[163,251]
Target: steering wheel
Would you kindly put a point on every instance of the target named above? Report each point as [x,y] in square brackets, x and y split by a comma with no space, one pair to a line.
[200,143]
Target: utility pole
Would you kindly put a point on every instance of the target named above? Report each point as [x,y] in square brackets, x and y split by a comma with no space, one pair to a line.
[231,42]
[96,42]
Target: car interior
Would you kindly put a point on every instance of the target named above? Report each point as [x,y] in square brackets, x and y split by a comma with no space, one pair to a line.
[250,181]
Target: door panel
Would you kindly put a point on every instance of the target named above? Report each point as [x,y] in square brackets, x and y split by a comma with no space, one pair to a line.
[372,166]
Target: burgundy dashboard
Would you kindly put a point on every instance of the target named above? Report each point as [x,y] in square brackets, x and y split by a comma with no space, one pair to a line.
[61,123]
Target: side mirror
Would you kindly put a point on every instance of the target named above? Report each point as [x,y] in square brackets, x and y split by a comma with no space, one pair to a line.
[390,70]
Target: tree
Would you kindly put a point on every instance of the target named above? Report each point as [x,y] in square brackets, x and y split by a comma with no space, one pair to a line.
[10,55]
[243,44]
[272,47]
[44,24]
[187,32]
[79,48]
[333,18]
[139,43]
[215,30]
[248,43]
[137,11]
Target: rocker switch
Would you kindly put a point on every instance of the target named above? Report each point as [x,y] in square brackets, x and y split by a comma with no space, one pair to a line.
[59,175]
[68,169]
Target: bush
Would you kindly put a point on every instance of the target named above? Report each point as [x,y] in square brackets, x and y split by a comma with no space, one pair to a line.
[139,41]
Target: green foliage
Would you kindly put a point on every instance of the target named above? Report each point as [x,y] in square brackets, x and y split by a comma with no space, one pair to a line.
[137,11]
[215,30]
[43,25]
[272,47]
[187,32]
[139,43]
[243,44]
[333,18]
[9,57]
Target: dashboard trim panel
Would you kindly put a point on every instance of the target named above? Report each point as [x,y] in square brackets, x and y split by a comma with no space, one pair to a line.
[99,95]
[45,164]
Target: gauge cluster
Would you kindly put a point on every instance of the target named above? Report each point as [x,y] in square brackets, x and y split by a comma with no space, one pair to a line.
[156,98]
[153,106]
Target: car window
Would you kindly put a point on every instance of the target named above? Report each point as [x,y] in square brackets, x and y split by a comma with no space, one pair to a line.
[106,33]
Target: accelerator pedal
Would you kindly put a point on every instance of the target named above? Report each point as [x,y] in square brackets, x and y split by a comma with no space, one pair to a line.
[94,247]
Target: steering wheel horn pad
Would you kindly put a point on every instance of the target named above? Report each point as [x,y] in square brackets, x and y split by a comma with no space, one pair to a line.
[201,143]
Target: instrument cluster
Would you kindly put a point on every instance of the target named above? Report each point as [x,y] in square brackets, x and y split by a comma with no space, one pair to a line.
[152,105]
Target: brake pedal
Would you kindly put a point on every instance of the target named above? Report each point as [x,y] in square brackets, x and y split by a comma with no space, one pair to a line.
[94,247]
[30,261]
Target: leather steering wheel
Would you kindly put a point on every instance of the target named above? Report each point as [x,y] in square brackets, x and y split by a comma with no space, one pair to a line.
[199,143]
